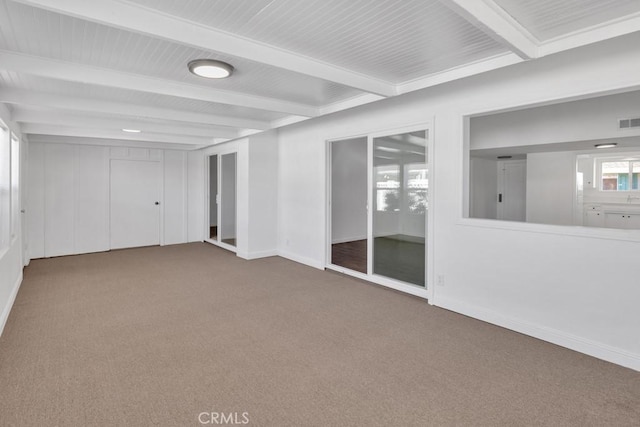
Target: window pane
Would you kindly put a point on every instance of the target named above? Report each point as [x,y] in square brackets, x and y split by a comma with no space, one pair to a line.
[399,217]
[615,176]
[623,181]
[635,169]
[228,228]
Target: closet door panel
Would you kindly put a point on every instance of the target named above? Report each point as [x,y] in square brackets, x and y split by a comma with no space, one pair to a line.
[92,206]
[59,195]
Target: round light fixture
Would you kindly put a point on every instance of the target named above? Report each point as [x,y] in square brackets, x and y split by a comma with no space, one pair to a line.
[131,130]
[210,68]
[606,145]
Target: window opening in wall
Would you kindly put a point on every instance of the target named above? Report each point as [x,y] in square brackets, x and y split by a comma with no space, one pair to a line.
[564,179]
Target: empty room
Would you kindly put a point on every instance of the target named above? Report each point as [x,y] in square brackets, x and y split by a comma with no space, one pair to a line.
[305,213]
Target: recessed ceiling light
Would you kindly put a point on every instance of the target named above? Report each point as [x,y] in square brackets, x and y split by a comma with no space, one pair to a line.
[606,145]
[132,130]
[210,68]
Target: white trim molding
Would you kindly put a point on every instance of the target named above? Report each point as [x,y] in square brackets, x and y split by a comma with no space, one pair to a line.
[12,298]
[554,336]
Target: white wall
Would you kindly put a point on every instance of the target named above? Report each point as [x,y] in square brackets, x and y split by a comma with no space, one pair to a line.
[562,287]
[263,194]
[196,196]
[60,181]
[256,197]
[349,190]
[483,188]
[551,181]
[11,262]
[69,196]
[582,120]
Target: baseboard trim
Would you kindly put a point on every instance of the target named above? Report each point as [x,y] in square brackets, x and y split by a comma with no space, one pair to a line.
[563,339]
[257,255]
[302,260]
[9,306]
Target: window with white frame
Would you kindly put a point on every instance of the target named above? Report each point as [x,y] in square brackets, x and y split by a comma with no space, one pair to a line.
[619,174]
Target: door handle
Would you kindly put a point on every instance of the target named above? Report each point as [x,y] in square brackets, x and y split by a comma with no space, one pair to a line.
[500,198]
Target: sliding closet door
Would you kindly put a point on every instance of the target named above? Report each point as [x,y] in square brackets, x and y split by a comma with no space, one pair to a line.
[228,199]
[349,204]
[400,184]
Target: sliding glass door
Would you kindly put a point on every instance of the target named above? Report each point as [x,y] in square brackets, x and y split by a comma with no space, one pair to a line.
[213,197]
[378,208]
[349,185]
[228,199]
[400,185]
[222,228]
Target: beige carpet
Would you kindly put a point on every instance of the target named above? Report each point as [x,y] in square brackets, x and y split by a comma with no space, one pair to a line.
[156,336]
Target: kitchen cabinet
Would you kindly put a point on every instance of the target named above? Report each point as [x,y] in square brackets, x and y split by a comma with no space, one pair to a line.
[624,220]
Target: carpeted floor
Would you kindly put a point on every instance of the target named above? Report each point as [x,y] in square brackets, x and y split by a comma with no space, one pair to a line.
[157,336]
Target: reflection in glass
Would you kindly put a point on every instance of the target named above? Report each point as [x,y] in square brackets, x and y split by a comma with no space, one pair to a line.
[400,206]
[620,175]
[228,199]
[388,188]
[213,197]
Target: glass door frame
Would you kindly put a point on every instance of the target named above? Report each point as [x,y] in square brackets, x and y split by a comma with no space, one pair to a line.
[424,292]
[207,225]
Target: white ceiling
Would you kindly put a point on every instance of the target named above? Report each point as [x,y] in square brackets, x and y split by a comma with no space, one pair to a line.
[87,69]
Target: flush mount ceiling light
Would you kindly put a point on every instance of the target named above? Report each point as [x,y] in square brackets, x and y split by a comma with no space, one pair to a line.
[210,68]
[131,130]
[606,145]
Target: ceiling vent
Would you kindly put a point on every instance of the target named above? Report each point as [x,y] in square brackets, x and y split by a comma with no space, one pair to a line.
[629,123]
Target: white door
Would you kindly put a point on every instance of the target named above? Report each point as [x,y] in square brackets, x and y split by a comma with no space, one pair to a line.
[135,203]
[512,190]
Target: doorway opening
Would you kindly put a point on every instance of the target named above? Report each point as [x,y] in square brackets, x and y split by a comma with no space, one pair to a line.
[221,227]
